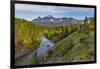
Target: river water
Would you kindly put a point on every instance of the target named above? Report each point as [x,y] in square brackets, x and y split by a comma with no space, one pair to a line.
[44,45]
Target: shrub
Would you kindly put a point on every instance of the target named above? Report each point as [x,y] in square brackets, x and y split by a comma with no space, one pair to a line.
[49,53]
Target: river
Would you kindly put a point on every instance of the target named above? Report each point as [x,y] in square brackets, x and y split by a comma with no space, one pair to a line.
[43,47]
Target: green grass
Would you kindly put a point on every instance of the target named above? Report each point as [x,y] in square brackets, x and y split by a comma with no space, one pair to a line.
[63,52]
[33,60]
[66,41]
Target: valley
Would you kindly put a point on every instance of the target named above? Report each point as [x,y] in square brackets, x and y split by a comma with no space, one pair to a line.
[61,42]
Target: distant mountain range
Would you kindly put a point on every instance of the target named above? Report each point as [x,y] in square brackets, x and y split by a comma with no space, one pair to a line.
[47,20]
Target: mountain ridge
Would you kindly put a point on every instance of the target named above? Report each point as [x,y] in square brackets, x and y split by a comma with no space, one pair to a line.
[62,21]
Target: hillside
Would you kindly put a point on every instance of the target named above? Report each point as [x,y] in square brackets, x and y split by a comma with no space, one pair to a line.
[70,49]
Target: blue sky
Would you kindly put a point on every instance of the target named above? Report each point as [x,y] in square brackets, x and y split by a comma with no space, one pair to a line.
[30,12]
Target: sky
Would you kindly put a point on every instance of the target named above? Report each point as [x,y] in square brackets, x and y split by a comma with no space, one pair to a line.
[31,12]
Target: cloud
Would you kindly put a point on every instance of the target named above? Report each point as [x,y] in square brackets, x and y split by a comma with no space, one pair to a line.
[31,11]
[34,8]
[53,9]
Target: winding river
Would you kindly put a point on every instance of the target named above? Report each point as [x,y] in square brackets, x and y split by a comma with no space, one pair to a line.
[44,45]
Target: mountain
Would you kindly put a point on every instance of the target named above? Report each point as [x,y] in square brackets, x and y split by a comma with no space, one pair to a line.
[47,20]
